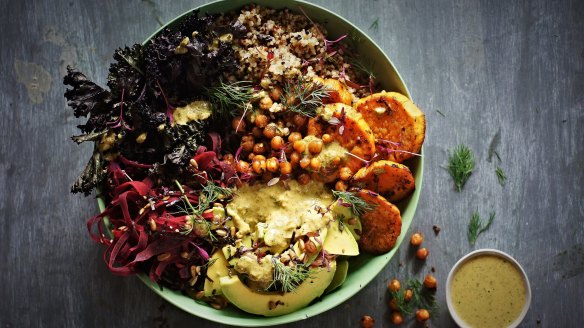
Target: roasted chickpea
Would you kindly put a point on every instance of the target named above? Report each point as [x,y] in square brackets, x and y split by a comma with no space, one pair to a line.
[299,146]
[294,159]
[341,186]
[408,295]
[272,164]
[266,102]
[294,136]
[285,168]
[430,282]
[417,239]
[261,121]
[303,179]
[304,162]
[367,322]
[277,143]
[257,132]
[238,124]
[270,131]
[259,148]
[396,318]
[327,138]
[315,163]
[336,161]
[345,173]
[422,253]
[242,167]
[299,120]
[247,145]
[315,146]
[276,93]
[258,165]
[422,315]
[393,304]
[394,285]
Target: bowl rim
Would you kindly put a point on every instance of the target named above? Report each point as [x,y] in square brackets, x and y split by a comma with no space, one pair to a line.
[342,295]
[476,253]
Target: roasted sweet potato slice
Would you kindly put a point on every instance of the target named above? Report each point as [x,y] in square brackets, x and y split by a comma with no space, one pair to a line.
[381,225]
[397,123]
[338,92]
[392,180]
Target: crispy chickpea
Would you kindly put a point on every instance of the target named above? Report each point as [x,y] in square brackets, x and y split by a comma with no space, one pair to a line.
[408,295]
[299,146]
[327,138]
[397,318]
[422,315]
[261,121]
[276,93]
[393,285]
[266,102]
[341,186]
[247,145]
[294,159]
[315,163]
[422,253]
[336,161]
[277,143]
[303,179]
[238,124]
[258,165]
[228,158]
[367,322]
[285,168]
[272,164]
[242,167]
[345,173]
[259,148]
[294,136]
[304,162]
[299,120]
[270,131]
[315,146]
[417,239]
[430,282]
[393,304]
[257,132]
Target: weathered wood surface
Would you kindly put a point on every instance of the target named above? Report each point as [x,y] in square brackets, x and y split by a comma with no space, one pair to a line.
[513,66]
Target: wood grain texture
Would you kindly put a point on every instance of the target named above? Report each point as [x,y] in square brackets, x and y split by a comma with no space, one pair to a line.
[517,66]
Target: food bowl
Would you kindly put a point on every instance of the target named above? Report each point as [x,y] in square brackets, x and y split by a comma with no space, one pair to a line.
[363,268]
[520,279]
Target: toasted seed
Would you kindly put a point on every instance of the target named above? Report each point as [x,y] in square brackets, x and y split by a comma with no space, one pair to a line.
[221,232]
[184,255]
[194,163]
[152,224]
[232,231]
[163,257]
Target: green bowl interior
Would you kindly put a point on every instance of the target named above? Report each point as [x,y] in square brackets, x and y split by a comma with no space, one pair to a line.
[363,268]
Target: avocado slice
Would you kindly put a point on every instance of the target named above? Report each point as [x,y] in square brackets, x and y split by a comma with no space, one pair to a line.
[345,214]
[340,242]
[274,304]
[340,276]
[215,271]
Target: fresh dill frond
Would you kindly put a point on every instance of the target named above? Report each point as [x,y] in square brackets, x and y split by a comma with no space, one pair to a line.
[358,205]
[441,114]
[228,98]
[375,25]
[422,298]
[493,146]
[287,278]
[476,227]
[367,68]
[213,192]
[303,96]
[501,176]
[461,163]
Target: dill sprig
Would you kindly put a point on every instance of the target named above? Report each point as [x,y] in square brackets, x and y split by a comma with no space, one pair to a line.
[501,176]
[365,68]
[422,298]
[375,25]
[358,205]
[228,98]
[493,147]
[304,97]
[476,227]
[287,278]
[461,163]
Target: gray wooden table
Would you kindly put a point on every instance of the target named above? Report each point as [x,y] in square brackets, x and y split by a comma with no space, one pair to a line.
[513,66]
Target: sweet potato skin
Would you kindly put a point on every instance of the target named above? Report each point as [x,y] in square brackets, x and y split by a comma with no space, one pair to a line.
[381,225]
[392,180]
[397,123]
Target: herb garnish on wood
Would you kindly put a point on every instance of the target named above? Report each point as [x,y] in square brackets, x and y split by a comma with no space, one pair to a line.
[461,163]
[501,176]
[422,298]
[476,227]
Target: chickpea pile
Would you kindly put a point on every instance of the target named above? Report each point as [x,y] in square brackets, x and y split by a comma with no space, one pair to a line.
[277,144]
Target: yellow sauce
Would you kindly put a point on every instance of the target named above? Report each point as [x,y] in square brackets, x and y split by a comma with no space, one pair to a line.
[488,291]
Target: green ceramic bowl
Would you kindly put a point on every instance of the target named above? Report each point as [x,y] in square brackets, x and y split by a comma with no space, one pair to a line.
[363,268]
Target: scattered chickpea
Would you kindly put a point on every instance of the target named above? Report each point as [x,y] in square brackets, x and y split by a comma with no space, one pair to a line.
[266,102]
[270,131]
[299,146]
[417,239]
[393,285]
[422,253]
[367,322]
[277,143]
[247,143]
[315,163]
[238,124]
[315,146]
[259,148]
[304,162]
[258,165]
[276,93]
[341,186]
[422,315]
[430,281]
[396,318]
[272,164]
[327,138]
[294,159]
[408,295]
[294,136]
[285,168]
[393,304]
[303,179]
[345,173]
[261,121]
